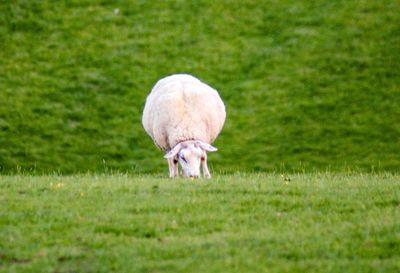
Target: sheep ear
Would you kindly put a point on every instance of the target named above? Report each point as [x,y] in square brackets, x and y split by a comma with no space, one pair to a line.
[173,152]
[207,147]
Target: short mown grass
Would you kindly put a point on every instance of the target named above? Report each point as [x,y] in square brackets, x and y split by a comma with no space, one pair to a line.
[307,84]
[320,222]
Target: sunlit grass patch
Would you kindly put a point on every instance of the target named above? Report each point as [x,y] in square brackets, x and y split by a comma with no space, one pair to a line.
[322,222]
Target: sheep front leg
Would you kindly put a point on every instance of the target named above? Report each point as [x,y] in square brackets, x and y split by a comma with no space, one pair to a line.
[173,167]
[206,172]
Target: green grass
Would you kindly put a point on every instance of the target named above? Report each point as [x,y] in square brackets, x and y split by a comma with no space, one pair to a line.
[309,85]
[320,222]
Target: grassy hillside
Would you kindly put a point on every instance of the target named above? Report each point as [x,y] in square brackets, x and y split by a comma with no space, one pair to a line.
[307,84]
[238,223]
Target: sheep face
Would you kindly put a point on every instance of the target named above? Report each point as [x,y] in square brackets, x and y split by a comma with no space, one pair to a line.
[190,158]
[190,155]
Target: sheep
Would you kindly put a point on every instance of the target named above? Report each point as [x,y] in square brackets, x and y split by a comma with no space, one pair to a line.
[184,116]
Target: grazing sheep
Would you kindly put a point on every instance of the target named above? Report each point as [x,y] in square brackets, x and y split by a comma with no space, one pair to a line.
[184,116]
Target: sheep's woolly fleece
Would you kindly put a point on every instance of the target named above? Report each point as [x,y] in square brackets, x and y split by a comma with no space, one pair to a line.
[181,107]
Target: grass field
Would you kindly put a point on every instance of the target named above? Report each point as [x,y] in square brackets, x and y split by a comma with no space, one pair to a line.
[309,85]
[318,222]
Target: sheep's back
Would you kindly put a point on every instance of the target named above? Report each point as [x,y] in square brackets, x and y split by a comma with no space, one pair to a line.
[179,108]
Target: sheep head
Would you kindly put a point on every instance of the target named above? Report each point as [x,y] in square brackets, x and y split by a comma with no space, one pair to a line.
[190,155]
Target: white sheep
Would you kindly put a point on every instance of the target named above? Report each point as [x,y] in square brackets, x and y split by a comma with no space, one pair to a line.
[184,116]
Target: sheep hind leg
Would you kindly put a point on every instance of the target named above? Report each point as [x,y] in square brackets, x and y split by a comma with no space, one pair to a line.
[173,167]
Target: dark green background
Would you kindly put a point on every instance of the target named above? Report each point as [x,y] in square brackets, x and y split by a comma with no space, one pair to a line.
[308,85]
